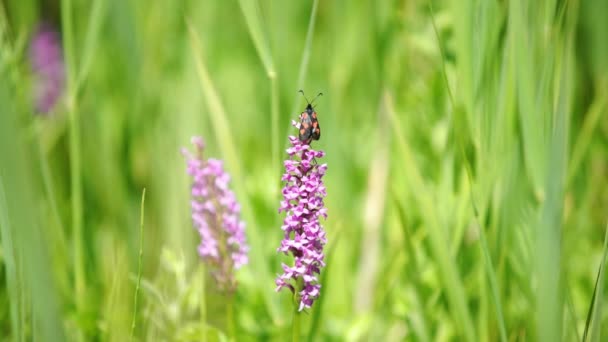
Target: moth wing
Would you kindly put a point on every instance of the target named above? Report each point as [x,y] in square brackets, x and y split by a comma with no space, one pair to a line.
[316,130]
[306,127]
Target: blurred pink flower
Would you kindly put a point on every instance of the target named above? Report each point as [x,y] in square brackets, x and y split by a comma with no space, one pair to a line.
[46,59]
[216,215]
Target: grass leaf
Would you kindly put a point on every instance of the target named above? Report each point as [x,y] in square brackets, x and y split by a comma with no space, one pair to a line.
[251,12]
[139,262]
[594,314]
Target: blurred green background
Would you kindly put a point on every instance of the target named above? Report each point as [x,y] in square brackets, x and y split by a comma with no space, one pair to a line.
[467,152]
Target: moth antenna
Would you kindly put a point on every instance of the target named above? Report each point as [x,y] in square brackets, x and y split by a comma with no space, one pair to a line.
[313,100]
[302,91]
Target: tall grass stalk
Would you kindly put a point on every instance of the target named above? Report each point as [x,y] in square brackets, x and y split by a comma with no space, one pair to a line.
[139,261]
[9,257]
[549,233]
[75,159]
[51,195]
[9,252]
[274,145]
[594,314]
[91,41]
[489,267]
[253,18]
[416,318]
[203,303]
[217,114]
[230,322]
[583,140]
[251,12]
[296,326]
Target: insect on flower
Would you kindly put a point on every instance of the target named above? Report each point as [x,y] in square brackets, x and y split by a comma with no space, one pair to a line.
[309,125]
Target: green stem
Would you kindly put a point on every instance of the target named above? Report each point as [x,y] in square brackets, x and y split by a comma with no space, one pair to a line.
[49,189]
[141,253]
[76,185]
[230,317]
[296,325]
[203,308]
[75,169]
[274,90]
[296,312]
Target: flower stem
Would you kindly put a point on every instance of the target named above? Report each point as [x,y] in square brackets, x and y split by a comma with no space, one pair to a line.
[230,317]
[296,312]
[296,325]
[75,163]
[203,308]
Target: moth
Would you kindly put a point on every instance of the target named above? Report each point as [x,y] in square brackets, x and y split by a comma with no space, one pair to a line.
[309,123]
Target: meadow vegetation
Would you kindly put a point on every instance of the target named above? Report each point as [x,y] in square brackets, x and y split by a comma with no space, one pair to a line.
[466,145]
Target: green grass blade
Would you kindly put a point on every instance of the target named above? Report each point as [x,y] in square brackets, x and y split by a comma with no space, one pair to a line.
[418,319]
[572,312]
[51,194]
[274,129]
[139,262]
[217,114]
[251,12]
[490,272]
[584,137]
[9,259]
[9,250]
[307,46]
[75,159]
[67,25]
[548,240]
[203,302]
[91,41]
[593,327]
[442,52]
